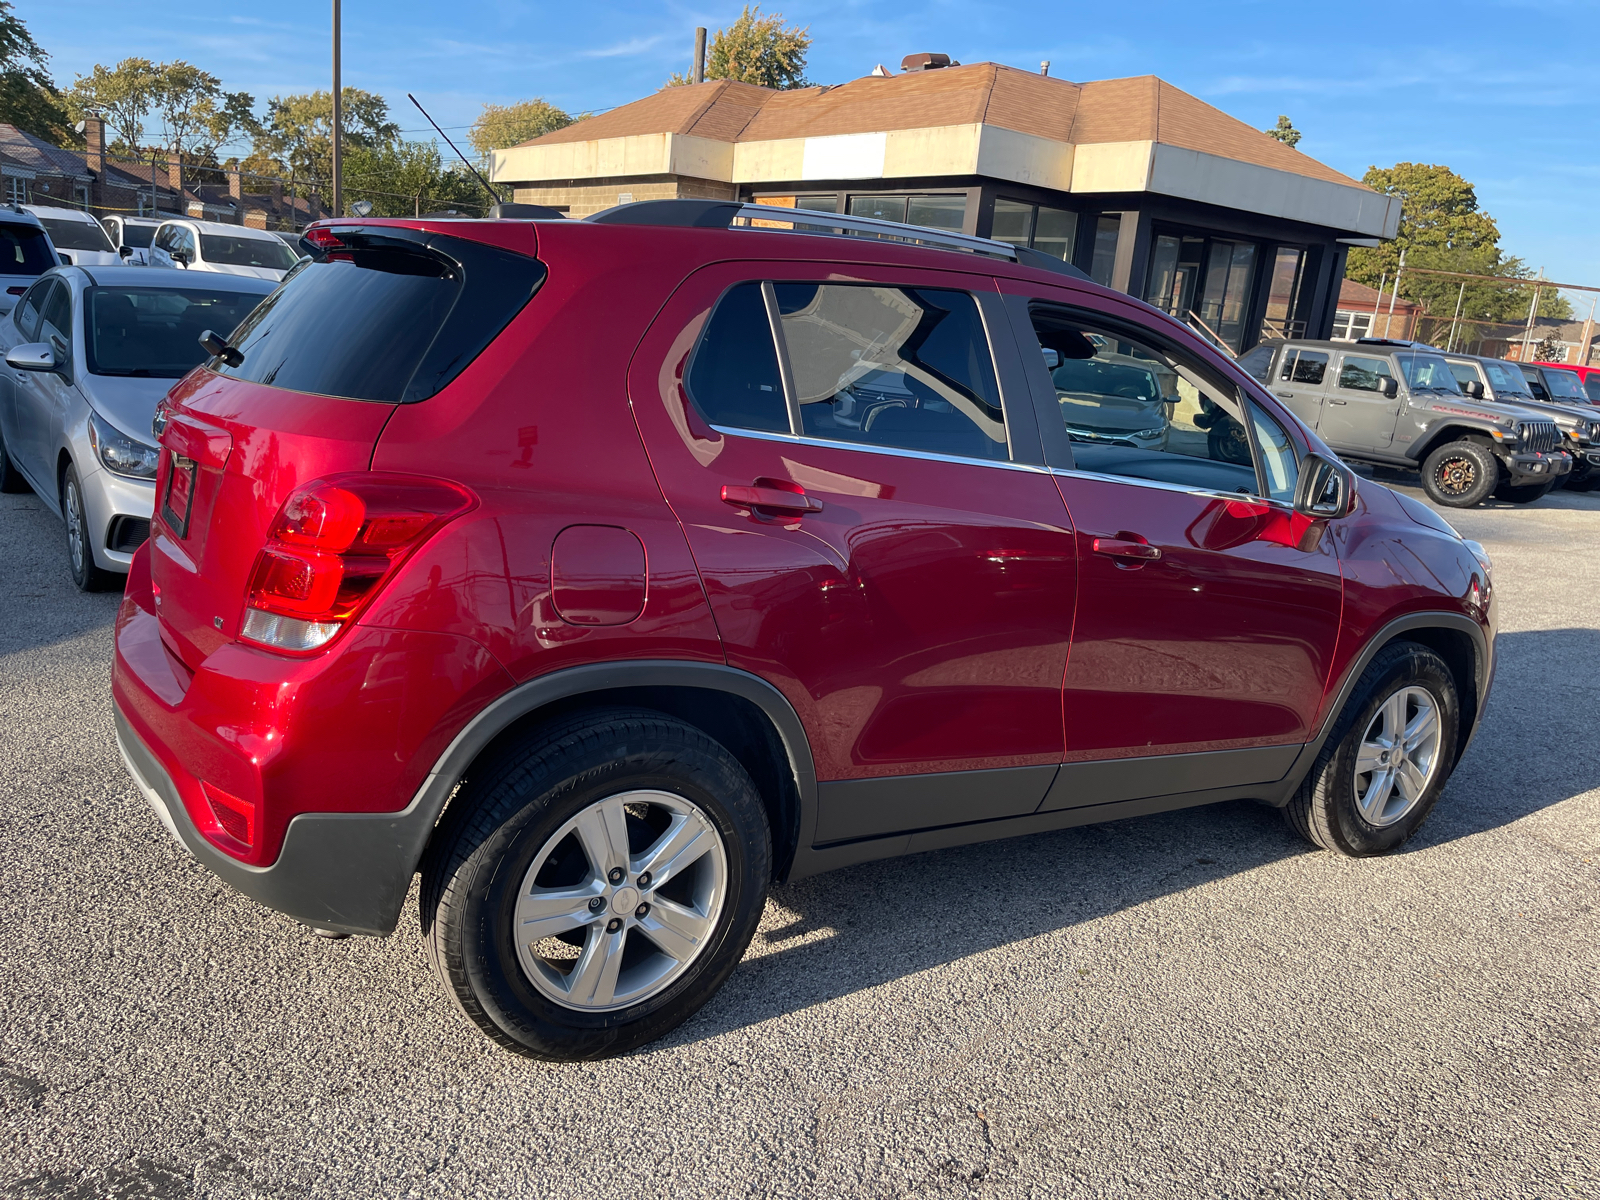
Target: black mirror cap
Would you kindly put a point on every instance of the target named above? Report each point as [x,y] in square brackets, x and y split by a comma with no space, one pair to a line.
[1475,389]
[1327,488]
[1391,387]
[217,346]
[125,251]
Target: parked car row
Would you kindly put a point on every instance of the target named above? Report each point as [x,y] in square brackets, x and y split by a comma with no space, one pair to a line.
[741,555]
[1471,427]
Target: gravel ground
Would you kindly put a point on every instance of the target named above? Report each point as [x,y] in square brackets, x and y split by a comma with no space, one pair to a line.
[1182,1005]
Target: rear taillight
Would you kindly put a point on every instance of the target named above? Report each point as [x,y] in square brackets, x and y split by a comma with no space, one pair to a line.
[332,546]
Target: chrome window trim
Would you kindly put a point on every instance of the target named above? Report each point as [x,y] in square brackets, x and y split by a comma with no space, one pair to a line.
[762,435]
[1185,489]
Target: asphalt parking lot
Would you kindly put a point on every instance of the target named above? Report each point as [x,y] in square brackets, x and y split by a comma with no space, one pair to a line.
[1194,1004]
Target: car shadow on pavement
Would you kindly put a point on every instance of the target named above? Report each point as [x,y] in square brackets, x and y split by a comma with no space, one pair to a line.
[864,926]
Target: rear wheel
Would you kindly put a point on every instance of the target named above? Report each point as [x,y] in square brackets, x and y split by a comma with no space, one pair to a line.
[1386,759]
[1526,494]
[80,543]
[1460,474]
[589,893]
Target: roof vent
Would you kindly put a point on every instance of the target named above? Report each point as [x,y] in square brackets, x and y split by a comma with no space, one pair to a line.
[926,62]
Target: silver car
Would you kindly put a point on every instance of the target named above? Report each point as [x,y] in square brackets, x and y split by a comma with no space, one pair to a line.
[89,352]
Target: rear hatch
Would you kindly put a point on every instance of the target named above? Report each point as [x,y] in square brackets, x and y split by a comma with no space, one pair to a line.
[384,315]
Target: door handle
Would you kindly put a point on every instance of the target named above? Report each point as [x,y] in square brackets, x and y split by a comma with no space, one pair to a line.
[1128,546]
[777,499]
[1331,400]
[1285,395]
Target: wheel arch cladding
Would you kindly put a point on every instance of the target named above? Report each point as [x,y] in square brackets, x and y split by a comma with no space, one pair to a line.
[1460,654]
[1452,433]
[726,705]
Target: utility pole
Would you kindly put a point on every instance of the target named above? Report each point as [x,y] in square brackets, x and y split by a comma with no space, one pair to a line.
[1376,305]
[1460,296]
[1388,325]
[338,124]
[1527,333]
[1588,332]
[699,53]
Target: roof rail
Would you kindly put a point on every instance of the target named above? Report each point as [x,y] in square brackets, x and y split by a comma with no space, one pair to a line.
[732,214]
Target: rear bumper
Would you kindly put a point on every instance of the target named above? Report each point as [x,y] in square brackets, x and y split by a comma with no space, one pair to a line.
[347,872]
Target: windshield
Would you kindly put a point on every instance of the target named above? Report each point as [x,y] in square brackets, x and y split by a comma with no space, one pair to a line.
[1565,385]
[1506,379]
[24,250]
[68,234]
[155,331]
[245,251]
[137,236]
[1428,373]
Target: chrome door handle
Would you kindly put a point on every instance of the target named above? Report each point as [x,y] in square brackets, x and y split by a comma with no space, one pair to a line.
[1331,400]
[1127,546]
[1285,395]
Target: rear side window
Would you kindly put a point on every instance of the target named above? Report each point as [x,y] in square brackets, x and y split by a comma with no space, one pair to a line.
[1307,367]
[386,317]
[879,367]
[908,368]
[24,250]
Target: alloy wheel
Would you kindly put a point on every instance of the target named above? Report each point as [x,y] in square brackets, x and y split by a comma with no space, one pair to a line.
[77,542]
[1398,756]
[1456,475]
[620,901]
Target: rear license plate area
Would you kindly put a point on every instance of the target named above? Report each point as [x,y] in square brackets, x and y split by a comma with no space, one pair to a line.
[178,502]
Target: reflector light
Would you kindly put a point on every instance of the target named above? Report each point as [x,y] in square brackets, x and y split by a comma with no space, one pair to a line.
[330,549]
[235,817]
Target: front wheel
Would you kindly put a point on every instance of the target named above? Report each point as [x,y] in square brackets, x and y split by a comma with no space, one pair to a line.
[589,893]
[1460,474]
[80,542]
[1526,494]
[1386,759]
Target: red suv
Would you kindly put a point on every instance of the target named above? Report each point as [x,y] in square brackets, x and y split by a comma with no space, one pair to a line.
[608,571]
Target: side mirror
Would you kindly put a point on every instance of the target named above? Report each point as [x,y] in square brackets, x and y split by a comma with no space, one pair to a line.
[125,251]
[181,257]
[32,356]
[66,259]
[1326,488]
[1474,389]
[1052,358]
[1391,387]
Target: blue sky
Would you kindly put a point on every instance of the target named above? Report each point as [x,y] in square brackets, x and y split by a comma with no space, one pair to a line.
[1503,93]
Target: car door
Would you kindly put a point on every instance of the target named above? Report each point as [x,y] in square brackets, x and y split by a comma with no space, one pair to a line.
[161,246]
[15,330]
[1208,610]
[38,393]
[1301,382]
[878,537]
[1358,412]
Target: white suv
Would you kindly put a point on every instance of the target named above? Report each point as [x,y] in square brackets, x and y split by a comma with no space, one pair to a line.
[77,237]
[228,249]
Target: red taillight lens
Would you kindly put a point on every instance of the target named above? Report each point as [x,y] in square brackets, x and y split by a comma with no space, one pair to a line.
[322,238]
[235,817]
[331,547]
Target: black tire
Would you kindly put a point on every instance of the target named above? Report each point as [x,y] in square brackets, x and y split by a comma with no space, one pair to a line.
[1526,494]
[1324,809]
[1460,474]
[80,543]
[504,820]
[11,479]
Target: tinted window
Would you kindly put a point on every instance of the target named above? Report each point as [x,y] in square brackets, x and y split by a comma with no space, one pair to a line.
[1133,408]
[55,324]
[156,332]
[384,317]
[900,367]
[734,378]
[1363,374]
[24,250]
[1464,374]
[245,251]
[137,236]
[1308,367]
[1564,385]
[1258,363]
[1591,386]
[68,234]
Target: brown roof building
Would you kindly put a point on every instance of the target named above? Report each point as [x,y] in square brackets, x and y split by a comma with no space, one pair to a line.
[1143,186]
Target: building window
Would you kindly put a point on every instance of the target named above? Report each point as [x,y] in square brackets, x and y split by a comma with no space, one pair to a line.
[817,203]
[1106,231]
[934,212]
[1229,280]
[1038,226]
[1348,325]
[16,190]
[1174,267]
[1283,295]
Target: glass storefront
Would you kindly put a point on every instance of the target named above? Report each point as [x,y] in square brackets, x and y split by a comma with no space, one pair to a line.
[1209,282]
[1283,294]
[1106,231]
[1050,230]
[935,212]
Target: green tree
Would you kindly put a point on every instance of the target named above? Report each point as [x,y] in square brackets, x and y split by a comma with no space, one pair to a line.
[28,96]
[402,179]
[502,125]
[1285,132]
[297,135]
[757,49]
[197,116]
[123,95]
[1442,228]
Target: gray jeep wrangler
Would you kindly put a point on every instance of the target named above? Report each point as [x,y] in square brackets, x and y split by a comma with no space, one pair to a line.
[1398,404]
[1508,383]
